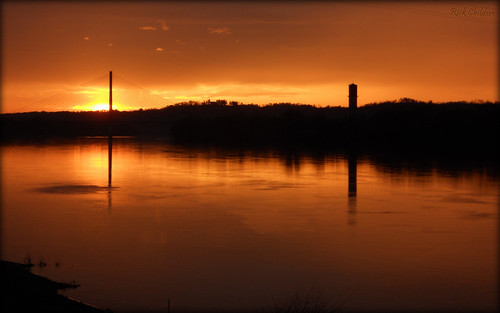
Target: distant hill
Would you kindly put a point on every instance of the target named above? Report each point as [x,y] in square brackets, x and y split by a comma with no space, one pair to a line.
[402,124]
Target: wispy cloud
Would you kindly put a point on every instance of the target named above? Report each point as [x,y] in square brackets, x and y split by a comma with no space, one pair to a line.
[219,30]
[147,28]
[242,92]
[163,24]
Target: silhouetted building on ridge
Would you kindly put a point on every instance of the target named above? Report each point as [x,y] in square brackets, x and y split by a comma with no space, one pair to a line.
[216,102]
[353,97]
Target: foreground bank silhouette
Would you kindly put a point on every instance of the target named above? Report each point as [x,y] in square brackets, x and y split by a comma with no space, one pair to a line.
[23,291]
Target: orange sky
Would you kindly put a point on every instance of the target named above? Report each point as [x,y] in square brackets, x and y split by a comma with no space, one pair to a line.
[258,52]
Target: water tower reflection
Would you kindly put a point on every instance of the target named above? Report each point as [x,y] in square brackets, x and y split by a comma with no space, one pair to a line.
[352,161]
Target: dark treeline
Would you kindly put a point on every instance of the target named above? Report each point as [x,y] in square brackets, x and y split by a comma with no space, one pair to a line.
[403,124]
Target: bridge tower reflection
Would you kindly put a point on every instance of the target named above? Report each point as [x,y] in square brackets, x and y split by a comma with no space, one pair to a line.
[110,138]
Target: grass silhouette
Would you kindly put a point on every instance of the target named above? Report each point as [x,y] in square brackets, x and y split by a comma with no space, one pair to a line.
[311,301]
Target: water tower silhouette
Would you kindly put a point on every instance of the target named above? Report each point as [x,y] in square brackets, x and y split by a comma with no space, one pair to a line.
[353,97]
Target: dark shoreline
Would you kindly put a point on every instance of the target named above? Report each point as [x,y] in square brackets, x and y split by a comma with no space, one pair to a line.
[23,291]
[406,125]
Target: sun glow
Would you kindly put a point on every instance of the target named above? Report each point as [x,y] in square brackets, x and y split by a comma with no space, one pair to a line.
[101,107]
[96,99]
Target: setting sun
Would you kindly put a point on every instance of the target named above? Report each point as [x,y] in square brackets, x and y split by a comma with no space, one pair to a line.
[101,107]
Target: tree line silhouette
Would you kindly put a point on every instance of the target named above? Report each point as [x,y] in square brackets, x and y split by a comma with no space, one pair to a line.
[400,124]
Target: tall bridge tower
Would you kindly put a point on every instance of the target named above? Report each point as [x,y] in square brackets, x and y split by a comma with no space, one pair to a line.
[110,133]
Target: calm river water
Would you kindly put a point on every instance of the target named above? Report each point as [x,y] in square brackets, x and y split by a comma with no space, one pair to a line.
[214,229]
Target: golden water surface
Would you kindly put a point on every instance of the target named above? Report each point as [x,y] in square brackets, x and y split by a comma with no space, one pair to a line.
[214,229]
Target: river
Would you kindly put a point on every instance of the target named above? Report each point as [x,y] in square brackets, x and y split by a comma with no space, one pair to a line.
[212,229]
